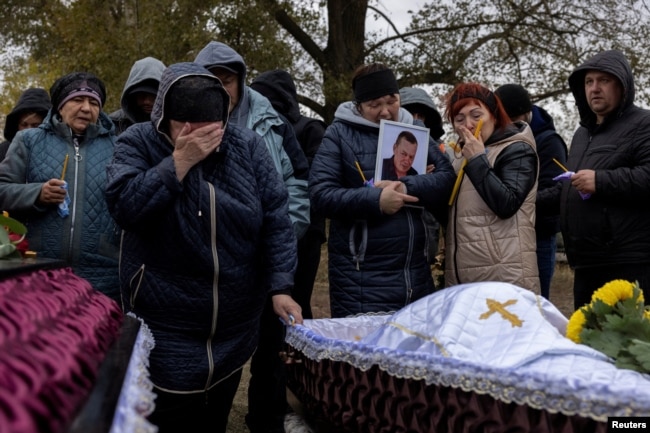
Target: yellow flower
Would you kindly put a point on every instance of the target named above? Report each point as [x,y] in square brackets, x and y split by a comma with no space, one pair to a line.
[575,325]
[646,314]
[614,291]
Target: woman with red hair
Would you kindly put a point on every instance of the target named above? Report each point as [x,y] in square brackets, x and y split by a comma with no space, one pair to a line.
[491,230]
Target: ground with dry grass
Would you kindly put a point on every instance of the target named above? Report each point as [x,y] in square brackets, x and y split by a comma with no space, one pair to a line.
[561,297]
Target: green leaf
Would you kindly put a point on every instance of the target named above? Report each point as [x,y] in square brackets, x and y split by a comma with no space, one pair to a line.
[13,225]
[629,362]
[622,324]
[641,352]
[608,342]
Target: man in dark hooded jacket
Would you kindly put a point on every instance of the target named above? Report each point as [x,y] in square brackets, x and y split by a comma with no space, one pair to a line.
[552,152]
[279,88]
[139,94]
[29,112]
[605,207]
[206,241]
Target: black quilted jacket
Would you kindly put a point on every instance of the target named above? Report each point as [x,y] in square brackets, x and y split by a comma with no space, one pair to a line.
[199,257]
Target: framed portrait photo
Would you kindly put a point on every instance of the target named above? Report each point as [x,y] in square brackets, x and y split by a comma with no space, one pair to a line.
[402,150]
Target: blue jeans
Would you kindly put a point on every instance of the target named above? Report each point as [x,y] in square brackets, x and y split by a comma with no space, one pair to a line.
[546,248]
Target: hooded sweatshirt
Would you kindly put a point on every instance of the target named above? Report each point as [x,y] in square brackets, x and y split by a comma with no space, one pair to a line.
[144,76]
[416,99]
[278,87]
[34,100]
[613,225]
[254,111]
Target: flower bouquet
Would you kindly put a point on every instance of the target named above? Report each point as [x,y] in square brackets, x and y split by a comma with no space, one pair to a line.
[12,238]
[616,323]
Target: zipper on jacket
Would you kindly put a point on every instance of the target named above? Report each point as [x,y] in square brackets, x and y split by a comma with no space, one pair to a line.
[407,263]
[215,281]
[73,199]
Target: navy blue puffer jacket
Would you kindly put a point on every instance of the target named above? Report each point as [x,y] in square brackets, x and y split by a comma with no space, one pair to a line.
[377,262]
[199,257]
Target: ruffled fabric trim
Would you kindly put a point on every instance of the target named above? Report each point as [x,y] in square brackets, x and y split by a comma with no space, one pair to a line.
[136,401]
[570,381]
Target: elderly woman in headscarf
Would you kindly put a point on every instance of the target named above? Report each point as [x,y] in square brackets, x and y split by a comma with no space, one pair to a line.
[378,236]
[54,178]
[491,230]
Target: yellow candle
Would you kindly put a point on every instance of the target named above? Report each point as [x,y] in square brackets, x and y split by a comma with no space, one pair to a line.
[461,172]
[360,171]
[65,166]
[560,164]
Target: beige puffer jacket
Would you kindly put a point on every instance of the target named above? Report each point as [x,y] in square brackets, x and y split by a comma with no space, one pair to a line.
[481,246]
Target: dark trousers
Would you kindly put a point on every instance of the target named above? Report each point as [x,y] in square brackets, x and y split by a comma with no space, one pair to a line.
[588,280]
[546,247]
[201,412]
[309,249]
[267,389]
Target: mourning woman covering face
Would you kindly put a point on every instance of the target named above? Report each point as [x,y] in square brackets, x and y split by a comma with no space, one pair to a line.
[378,238]
[71,147]
[491,230]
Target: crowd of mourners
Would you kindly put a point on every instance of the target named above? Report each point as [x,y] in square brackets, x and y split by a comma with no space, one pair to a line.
[201,205]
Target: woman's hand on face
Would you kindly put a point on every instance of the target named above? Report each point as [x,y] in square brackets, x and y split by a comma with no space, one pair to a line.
[193,142]
[472,146]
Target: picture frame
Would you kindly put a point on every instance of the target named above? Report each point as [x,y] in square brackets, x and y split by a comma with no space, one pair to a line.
[390,132]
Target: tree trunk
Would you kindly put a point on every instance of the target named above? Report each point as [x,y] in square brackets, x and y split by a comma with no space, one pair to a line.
[344,52]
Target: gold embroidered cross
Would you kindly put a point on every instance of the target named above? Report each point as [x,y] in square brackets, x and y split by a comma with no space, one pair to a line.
[498,307]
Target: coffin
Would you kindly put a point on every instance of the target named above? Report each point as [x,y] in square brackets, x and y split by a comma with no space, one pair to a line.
[481,357]
[70,360]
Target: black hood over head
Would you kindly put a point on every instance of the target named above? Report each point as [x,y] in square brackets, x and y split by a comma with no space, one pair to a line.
[33,100]
[613,62]
[279,88]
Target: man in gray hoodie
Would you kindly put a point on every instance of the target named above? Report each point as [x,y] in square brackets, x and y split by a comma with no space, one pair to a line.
[267,402]
[139,94]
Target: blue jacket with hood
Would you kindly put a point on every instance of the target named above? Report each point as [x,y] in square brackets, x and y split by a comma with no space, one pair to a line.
[199,257]
[549,145]
[377,262]
[254,111]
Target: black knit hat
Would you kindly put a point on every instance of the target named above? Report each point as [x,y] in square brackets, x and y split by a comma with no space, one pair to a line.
[77,83]
[195,99]
[515,99]
[374,85]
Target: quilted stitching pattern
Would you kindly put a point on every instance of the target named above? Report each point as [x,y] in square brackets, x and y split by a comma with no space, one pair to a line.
[168,270]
